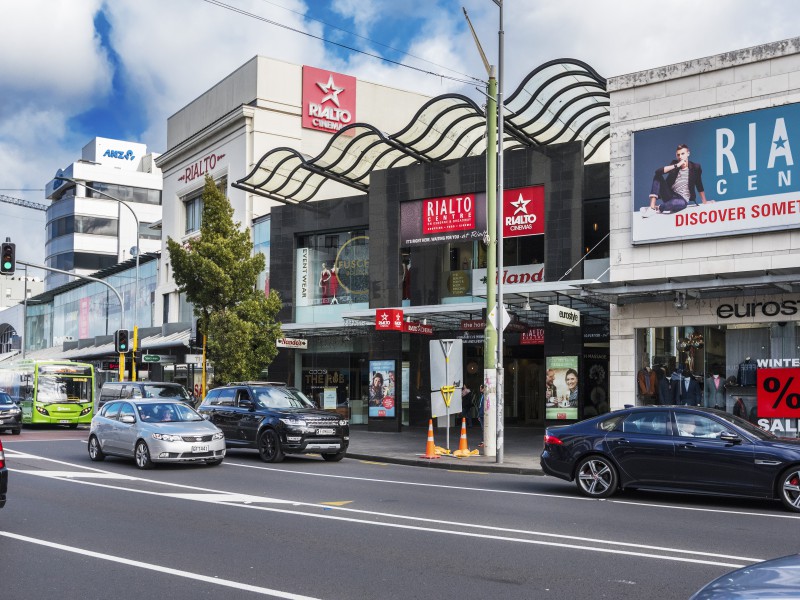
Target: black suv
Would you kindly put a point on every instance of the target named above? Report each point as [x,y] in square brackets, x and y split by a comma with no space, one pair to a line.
[276,420]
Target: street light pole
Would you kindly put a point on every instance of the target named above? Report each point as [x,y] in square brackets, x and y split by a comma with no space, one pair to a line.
[500,401]
[138,232]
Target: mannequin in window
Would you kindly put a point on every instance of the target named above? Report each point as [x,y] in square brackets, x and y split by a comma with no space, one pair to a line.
[646,379]
[333,285]
[685,389]
[747,372]
[663,389]
[714,390]
[406,280]
[324,282]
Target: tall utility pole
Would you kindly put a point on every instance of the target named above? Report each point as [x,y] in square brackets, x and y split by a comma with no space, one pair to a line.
[500,401]
[493,341]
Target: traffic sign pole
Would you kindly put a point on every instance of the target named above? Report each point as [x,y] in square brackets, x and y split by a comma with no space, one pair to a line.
[135,348]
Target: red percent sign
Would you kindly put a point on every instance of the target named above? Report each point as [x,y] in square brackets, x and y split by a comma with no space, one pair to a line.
[778,393]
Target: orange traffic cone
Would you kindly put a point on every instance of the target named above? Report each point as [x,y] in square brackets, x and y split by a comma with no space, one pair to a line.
[430,447]
[462,443]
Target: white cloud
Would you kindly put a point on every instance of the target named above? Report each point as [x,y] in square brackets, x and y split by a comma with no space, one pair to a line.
[54,67]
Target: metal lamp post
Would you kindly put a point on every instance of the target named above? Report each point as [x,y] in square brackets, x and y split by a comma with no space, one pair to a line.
[138,232]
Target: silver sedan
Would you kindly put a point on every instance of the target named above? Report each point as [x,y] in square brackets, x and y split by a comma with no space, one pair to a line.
[152,431]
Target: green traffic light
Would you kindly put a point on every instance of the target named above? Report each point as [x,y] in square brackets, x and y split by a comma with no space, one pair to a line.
[7,265]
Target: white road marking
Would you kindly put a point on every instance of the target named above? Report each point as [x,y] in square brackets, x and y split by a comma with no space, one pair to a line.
[73,474]
[516,493]
[228,497]
[160,569]
[214,497]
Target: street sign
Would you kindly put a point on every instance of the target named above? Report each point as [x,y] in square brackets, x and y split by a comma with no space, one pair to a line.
[493,316]
[151,358]
[193,359]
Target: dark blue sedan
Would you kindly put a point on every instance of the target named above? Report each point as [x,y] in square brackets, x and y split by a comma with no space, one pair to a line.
[774,579]
[674,448]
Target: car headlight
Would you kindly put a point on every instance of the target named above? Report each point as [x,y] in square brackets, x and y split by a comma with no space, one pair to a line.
[294,422]
[167,437]
[343,423]
[218,436]
[14,411]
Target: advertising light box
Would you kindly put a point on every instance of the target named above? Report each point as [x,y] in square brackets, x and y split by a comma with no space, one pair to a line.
[716,177]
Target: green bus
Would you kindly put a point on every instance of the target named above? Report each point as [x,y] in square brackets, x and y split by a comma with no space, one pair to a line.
[51,391]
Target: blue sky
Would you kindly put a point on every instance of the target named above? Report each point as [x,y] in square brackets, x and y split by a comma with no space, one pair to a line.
[76,69]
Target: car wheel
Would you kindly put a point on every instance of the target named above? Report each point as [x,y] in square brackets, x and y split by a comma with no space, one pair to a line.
[95,451]
[790,488]
[596,477]
[142,454]
[214,462]
[269,446]
[16,431]
[334,457]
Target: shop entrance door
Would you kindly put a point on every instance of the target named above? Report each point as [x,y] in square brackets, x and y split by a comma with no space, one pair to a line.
[523,405]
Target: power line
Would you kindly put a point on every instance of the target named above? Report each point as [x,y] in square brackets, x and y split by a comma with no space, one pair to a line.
[346,47]
[371,41]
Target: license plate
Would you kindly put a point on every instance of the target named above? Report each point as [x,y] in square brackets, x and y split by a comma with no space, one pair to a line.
[199,448]
[326,431]
[64,421]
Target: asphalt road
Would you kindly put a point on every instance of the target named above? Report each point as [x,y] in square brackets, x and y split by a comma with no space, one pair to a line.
[352,530]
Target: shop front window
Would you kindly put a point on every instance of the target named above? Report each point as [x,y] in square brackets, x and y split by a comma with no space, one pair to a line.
[331,274]
[715,366]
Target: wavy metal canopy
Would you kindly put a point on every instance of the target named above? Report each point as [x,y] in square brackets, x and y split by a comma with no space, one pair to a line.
[560,101]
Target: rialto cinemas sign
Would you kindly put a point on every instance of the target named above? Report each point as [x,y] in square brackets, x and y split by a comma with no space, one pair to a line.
[769,308]
[329,100]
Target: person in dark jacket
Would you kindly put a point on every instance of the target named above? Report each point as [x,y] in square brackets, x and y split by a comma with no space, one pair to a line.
[663,390]
[685,389]
[676,184]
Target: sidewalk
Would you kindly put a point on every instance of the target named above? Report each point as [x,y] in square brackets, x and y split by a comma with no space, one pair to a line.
[521,449]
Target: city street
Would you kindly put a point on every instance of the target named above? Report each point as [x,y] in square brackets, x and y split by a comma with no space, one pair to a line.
[306,528]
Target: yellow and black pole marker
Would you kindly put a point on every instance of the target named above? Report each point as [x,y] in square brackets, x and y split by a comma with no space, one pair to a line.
[135,348]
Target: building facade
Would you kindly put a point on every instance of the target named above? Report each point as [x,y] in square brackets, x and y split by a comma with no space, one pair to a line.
[263,105]
[704,287]
[87,229]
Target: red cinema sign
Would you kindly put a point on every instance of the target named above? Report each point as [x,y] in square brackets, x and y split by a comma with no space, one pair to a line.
[523,211]
[417,327]
[778,393]
[329,100]
[454,213]
[389,319]
[532,337]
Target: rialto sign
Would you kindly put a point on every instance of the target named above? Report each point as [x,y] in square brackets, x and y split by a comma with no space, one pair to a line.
[201,167]
[329,100]
[523,211]
[744,162]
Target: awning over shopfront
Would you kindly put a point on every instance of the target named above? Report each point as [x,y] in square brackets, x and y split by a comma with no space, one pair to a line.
[696,287]
[177,340]
[560,101]
[526,307]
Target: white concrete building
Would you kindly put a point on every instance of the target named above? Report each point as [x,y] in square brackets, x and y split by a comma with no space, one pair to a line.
[224,132]
[86,230]
[711,289]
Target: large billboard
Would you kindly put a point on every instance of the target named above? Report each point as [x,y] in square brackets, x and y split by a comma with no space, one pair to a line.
[723,176]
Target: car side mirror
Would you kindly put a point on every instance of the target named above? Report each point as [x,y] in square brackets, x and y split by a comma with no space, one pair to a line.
[730,438]
[248,404]
[129,419]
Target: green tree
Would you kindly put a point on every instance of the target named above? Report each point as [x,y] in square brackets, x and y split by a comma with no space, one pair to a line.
[218,273]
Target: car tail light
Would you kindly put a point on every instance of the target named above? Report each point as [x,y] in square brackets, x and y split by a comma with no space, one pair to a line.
[2,456]
[552,440]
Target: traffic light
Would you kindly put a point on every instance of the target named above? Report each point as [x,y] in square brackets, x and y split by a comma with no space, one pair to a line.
[8,260]
[121,343]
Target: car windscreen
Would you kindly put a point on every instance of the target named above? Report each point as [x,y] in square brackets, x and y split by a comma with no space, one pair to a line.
[753,430]
[280,397]
[5,399]
[154,390]
[166,412]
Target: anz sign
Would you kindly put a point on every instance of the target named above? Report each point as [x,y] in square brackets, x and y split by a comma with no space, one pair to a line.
[119,154]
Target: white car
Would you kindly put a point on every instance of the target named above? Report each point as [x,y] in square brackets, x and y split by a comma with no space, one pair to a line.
[152,431]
